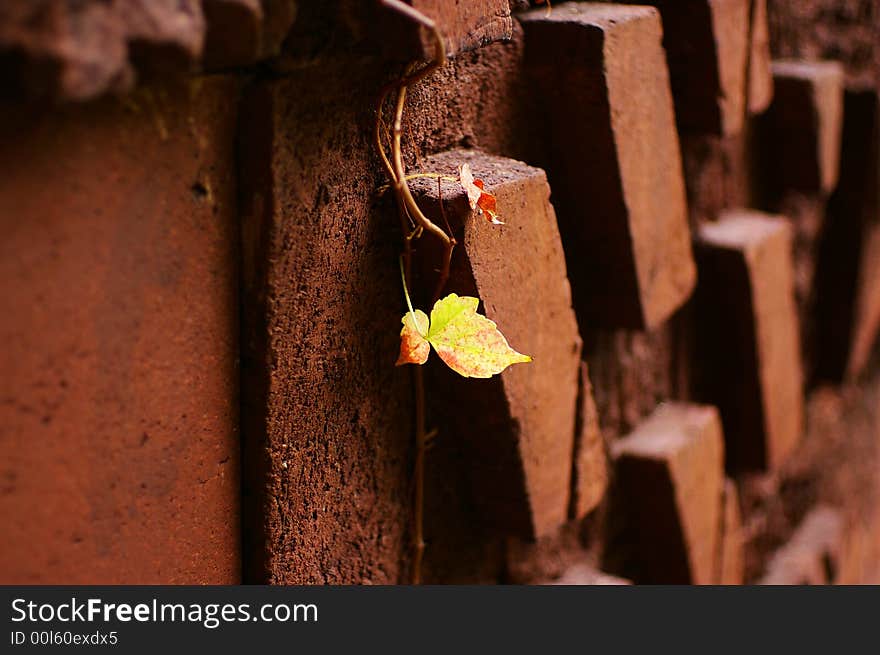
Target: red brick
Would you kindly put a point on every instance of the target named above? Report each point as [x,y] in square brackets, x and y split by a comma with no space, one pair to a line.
[760,76]
[812,555]
[584,574]
[748,352]
[801,132]
[119,445]
[613,159]
[466,25]
[707,47]
[519,425]
[327,417]
[590,476]
[731,558]
[668,489]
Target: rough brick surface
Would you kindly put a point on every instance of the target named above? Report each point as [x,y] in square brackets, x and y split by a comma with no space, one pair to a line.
[590,475]
[326,415]
[801,132]
[813,555]
[748,352]
[760,89]
[119,395]
[668,489]
[730,563]
[520,425]
[847,280]
[371,27]
[613,160]
[466,25]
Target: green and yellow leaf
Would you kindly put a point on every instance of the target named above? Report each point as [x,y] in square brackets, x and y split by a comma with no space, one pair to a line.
[468,342]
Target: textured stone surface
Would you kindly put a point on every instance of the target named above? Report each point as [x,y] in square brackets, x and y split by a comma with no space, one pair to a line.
[668,484]
[466,25]
[748,352]
[801,132]
[613,160]
[519,426]
[119,444]
[326,415]
[373,27]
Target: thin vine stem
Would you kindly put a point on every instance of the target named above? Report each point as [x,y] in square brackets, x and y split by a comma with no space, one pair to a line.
[413,224]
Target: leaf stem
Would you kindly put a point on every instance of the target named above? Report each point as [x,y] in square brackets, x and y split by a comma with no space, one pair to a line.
[412,312]
[409,212]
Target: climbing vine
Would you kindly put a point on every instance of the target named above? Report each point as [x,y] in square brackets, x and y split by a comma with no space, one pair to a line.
[469,343]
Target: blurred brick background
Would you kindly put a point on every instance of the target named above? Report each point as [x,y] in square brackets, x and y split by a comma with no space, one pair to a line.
[202,302]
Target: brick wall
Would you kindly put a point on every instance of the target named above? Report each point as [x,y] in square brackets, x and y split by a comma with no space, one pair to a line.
[202,297]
